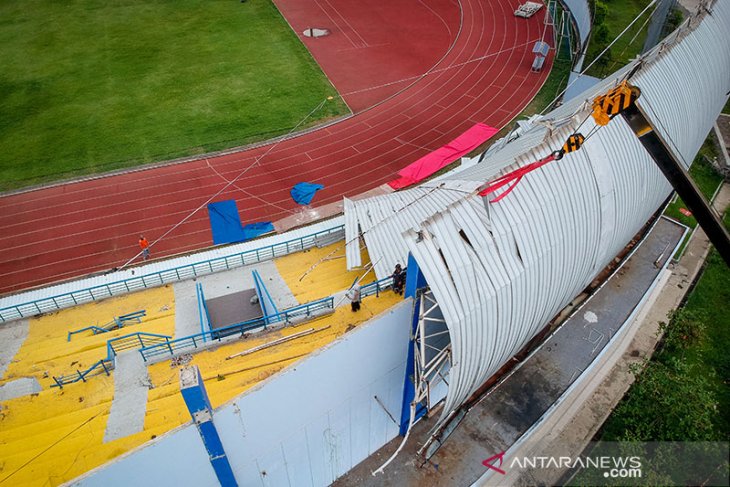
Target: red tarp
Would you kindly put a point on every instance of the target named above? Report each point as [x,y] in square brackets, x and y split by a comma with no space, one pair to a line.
[431,163]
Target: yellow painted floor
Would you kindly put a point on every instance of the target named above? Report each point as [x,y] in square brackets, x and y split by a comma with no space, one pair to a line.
[50,429]
[57,435]
[318,273]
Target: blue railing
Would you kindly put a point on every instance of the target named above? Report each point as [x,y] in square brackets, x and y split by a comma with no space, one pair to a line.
[95,369]
[152,345]
[133,340]
[102,291]
[203,314]
[117,322]
[113,347]
[375,288]
[193,342]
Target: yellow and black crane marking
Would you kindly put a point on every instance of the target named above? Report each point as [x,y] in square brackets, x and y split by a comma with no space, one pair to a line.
[619,99]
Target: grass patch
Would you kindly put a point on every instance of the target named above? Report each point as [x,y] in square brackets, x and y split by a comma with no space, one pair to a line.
[91,85]
[726,109]
[619,14]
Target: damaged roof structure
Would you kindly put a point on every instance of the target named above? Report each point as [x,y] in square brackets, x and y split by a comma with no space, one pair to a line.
[501,270]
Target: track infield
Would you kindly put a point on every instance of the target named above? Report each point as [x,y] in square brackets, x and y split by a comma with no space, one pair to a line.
[89,85]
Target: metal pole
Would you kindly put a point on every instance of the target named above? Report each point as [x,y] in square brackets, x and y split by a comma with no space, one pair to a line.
[680,180]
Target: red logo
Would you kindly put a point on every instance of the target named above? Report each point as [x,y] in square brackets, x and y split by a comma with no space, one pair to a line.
[490,461]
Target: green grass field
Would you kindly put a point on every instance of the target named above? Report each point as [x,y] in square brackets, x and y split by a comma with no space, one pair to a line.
[89,85]
[620,14]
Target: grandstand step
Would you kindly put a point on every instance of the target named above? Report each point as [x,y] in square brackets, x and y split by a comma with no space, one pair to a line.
[12,336]
[19,388]
[131,384]
[329,239]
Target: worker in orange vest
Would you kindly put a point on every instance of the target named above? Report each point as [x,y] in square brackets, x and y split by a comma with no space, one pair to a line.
[145,246]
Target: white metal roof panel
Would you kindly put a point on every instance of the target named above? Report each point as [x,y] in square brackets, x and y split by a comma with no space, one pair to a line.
[381,219]
[685,90]
[352,232]
[525,257]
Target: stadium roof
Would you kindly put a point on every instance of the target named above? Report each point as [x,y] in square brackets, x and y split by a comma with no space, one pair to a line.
[501,270]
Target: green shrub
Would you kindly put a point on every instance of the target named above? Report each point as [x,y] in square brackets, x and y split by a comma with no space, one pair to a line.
[686,328]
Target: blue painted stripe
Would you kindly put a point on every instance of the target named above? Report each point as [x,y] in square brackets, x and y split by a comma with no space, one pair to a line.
[197,401]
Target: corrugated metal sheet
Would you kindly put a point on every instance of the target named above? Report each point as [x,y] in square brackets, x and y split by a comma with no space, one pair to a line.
[381,219]
[501,271]
[352,232]
[533,138]
[683,92]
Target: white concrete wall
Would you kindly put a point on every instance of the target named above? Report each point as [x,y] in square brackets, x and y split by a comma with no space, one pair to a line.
[307,425]
[314,422]
[178,458]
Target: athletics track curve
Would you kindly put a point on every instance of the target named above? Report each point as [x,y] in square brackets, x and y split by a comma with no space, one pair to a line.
[73,229]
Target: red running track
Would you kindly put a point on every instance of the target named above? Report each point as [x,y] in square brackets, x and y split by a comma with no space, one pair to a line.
[374,49]
[484,76]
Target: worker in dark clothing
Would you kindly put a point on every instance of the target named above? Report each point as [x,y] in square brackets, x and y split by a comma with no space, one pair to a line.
[354,295]
[399,279]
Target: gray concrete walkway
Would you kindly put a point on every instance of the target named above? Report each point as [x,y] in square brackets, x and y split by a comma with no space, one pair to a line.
[131,384]
[19,387]
[12,336]
[223,283]
[690,5]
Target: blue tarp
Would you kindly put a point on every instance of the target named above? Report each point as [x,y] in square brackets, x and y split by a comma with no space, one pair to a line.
[253,230]
[304,192]
[225,224]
